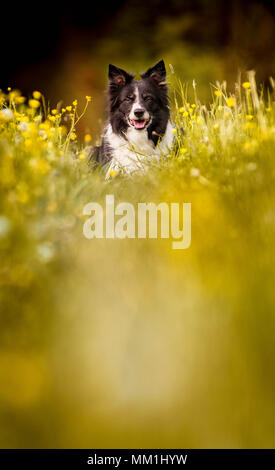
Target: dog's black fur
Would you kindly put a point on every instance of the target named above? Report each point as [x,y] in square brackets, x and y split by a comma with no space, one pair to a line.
[153,100]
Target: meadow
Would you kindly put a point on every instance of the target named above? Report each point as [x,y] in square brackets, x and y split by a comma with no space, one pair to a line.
[128,343]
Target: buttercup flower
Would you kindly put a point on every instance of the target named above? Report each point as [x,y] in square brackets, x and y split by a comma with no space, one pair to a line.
[33,103]
[20,99]
[231,102]
[36,95]
[87,138]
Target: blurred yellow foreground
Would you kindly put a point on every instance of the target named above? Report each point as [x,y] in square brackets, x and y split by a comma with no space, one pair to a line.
[128,343]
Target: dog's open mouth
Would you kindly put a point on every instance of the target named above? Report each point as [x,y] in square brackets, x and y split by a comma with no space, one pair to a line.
[139,123]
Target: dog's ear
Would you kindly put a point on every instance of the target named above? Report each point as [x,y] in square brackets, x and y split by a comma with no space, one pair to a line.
[157,73]
[119,77]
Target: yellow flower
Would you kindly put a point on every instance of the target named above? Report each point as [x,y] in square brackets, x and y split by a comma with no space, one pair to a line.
[174,131]
[36,95]
[193,105]
[216,126]
[88,98]
[54,111]
[246,85]
[14,94]
[34,103]
[87,138]
[82,156]
[268,110]
[112,173]
[183,150]
[231,102]
[20,99]
[218,92]
[44,125]
[182,109]
[249,117]
[73,136]
[75,103]
[68,108]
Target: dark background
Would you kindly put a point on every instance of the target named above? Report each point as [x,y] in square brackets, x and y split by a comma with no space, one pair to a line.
[63,50]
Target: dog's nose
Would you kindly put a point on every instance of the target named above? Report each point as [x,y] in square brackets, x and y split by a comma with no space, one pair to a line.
[139,112]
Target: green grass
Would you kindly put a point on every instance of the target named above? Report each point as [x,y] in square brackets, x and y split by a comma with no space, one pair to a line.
[128,343]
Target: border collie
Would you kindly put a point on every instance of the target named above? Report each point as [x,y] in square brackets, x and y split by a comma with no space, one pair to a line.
[139,127]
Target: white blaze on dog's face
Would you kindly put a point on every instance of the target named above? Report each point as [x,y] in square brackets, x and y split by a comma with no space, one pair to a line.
[139,117]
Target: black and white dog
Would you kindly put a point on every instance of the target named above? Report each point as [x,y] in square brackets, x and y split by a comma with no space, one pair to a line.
[139,126]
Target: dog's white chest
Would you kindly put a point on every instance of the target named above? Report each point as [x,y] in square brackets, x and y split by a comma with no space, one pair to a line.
[132,154]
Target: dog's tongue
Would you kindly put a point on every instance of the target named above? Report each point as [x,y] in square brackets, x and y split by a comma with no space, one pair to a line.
[138,124]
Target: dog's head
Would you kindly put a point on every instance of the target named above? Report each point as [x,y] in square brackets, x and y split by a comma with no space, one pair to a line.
[141,104]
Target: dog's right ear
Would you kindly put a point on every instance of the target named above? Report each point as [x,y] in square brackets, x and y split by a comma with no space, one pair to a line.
[118,77]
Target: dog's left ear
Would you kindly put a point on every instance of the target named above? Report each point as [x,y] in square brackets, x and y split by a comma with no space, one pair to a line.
[157,73]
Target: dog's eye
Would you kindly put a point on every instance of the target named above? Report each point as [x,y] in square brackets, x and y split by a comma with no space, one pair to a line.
[148,99]
[128,99]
